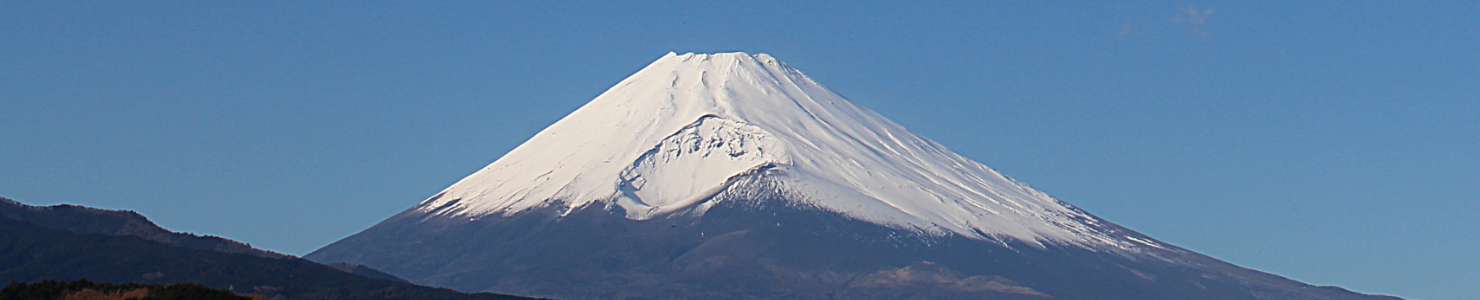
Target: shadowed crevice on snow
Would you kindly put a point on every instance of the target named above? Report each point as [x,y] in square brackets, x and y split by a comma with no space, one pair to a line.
[692,164]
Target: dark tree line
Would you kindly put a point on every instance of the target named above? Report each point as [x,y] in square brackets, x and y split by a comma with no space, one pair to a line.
[53,290]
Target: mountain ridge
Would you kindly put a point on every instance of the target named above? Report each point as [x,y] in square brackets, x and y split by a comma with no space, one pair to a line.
[82,219]
[31,252]
[760,246]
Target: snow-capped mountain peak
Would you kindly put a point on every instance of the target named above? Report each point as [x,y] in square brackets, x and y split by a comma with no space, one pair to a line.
[676,132]
[734,176]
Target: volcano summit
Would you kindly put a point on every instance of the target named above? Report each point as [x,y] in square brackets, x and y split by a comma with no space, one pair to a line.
[735,176]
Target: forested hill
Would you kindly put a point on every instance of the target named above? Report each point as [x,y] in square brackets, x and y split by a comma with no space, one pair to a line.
[31,253]
[82,219]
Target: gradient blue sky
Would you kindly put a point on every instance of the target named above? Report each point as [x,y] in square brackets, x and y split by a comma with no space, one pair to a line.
[1336,143]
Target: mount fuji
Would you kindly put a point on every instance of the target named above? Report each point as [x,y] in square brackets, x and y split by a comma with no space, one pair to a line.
[735,176]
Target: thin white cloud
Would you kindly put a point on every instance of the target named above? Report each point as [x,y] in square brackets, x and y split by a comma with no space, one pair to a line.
[1193,18]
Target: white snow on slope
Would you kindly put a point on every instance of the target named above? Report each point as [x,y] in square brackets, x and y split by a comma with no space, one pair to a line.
[671,135]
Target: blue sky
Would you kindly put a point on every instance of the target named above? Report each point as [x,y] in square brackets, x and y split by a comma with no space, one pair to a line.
[1336,143]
